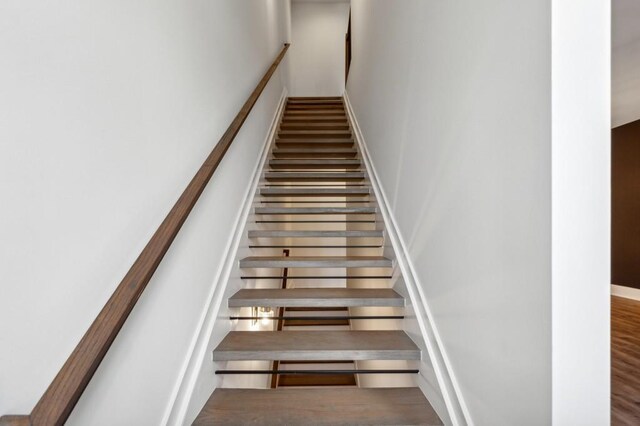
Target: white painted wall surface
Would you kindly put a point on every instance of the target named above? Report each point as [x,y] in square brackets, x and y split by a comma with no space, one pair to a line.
[581,214]
[107,109]
[317,53]
[454,102]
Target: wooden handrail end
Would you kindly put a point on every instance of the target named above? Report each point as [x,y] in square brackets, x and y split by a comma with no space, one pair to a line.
[14,420]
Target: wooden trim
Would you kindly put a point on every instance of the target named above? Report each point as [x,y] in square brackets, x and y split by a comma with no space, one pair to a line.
[56,404]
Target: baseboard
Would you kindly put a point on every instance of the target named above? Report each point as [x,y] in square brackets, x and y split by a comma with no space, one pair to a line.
[626,292]
[456,407]
[197,354]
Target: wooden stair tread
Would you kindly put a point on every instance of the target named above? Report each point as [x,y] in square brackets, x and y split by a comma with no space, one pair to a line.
[316,262]
[298,98]
[320,161]
[313,101]
[314,126]
[317,345]
[319,176]
[312,141]
[278,233]
[303,153]
[294,105]
[315,191]
[313,112]
[320,134]
[323,406]
[314,150]
[316,297]
[314,210]
[315,119]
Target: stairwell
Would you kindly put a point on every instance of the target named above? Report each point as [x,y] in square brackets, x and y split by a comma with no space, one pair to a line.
[318,268]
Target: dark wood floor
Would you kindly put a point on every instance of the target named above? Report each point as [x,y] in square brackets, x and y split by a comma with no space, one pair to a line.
[625,361]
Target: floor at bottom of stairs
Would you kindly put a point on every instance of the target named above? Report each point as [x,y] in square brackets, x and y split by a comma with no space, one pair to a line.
[327,406]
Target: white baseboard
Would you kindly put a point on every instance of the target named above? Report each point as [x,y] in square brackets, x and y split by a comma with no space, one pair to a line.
[626,292]
[456,407]
[197,354]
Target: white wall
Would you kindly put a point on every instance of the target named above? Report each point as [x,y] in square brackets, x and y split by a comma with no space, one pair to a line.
[454,102]
[581,214]
[107,109]
[317,50]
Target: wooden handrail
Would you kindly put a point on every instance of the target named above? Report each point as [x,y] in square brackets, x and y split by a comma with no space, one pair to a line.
[56,404]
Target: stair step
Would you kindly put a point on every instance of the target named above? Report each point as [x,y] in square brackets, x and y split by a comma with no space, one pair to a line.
[314,126]
[314,101]
[316,297]
[306,98]
[310,192]
[314,164]
[316,345]
[316,262]
[315,107]
[314,234]
[316,134]
[314,143]
[312,152]
[314,119]
[291,112]
[314,210]
[314,176]
[322,406]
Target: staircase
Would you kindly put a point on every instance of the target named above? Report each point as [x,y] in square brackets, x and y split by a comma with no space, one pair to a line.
[318,268]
